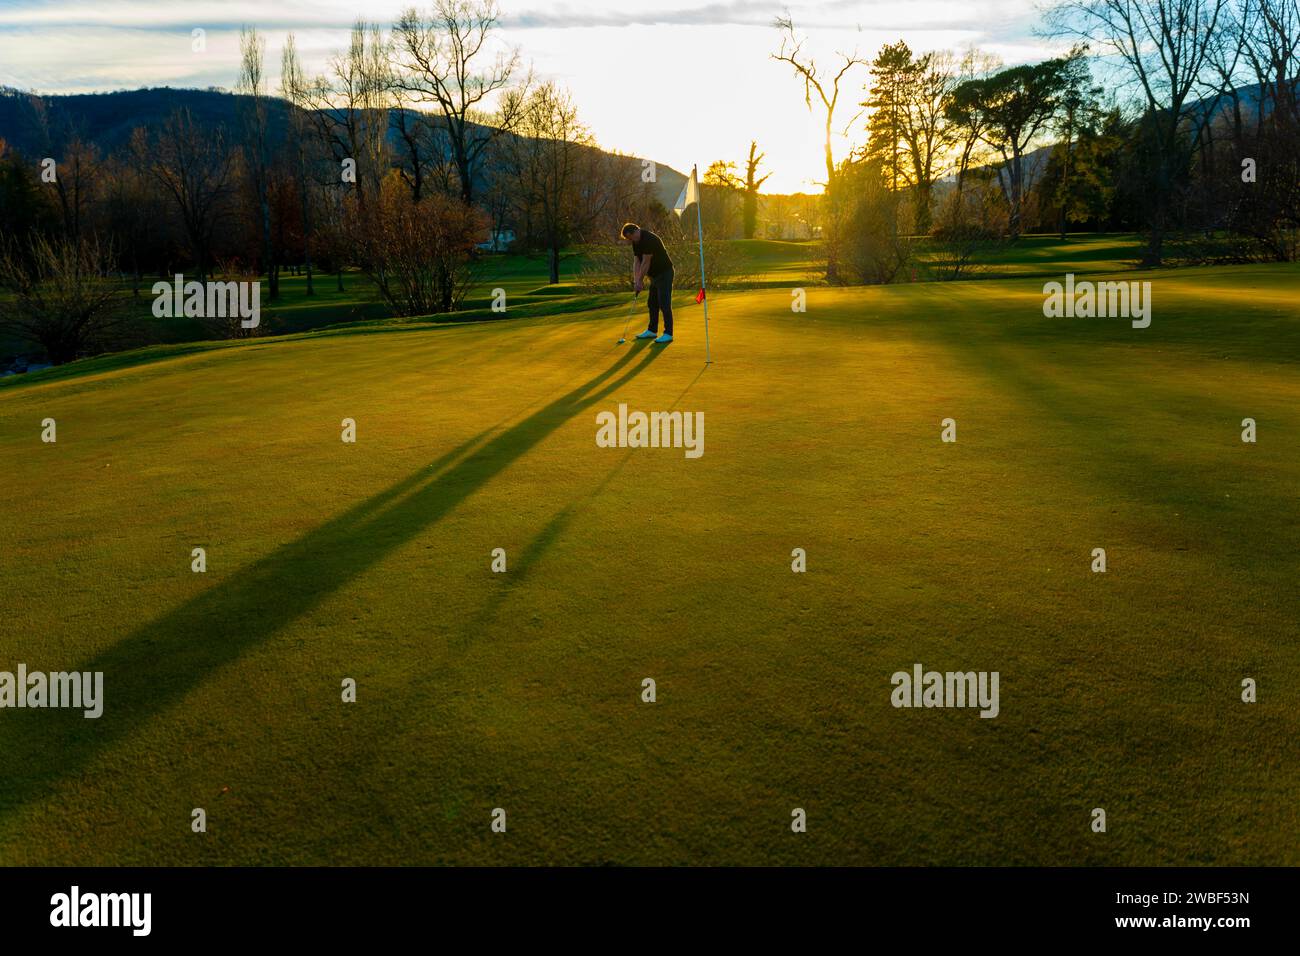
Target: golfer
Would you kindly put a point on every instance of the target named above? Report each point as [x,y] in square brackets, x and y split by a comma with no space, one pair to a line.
[650,262]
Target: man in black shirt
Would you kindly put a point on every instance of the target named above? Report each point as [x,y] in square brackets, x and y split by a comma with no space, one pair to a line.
[650,261]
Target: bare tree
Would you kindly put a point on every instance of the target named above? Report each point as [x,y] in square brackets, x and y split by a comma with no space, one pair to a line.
[193,165]
[1166,46]
[443,59]
[79,162]
[417,137]
[607,194]
[257,153]
[62,295]
[544,159]
[293,87]
[419,255]
[349,108]
[79,170]
[135,212]
[1270,31]
[1269,210]
[826,84]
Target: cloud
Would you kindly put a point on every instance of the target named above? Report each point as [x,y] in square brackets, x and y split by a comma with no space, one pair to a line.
[713,54]
[737,13]
[818,16]
[165,15]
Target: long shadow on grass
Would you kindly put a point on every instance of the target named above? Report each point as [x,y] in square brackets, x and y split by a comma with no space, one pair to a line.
[1182,487]
[542,542]
[157,665]
[522,566]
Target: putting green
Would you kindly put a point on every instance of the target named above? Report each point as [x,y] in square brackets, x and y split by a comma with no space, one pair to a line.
[522,690]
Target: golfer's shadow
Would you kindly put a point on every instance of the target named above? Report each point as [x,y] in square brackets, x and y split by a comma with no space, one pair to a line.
[159,664]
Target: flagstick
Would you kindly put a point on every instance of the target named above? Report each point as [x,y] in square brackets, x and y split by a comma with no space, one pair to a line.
[699,228]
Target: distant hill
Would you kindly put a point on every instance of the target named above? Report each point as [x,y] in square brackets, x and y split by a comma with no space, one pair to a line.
[108,119]
[1035,161]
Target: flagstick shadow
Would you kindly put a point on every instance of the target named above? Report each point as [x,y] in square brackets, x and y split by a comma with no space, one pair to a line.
[690,385]
[520,569]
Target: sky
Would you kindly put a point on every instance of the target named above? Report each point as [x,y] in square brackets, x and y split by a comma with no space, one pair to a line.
[676,81]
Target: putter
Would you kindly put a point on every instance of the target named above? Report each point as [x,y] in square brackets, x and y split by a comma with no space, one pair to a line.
[628,323]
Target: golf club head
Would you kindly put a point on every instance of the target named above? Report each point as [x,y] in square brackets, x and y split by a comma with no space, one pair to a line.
[621,341]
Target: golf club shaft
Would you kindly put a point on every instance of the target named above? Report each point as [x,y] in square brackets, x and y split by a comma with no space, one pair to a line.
[628,324]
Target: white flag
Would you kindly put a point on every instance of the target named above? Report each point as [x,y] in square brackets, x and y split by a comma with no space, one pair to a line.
[690,194]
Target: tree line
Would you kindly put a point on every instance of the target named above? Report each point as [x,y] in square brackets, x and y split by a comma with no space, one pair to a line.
[416,145]
[1197,144]
[422,141]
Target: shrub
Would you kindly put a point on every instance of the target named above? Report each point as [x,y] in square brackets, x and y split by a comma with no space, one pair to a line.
[419,255]
[62,296]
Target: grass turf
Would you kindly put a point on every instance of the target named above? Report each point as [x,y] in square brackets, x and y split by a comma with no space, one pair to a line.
[522,690]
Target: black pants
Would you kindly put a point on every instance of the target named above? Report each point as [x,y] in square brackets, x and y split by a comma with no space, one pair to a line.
[660,298]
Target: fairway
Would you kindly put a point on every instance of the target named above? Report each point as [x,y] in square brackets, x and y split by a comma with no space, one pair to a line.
[522,690]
